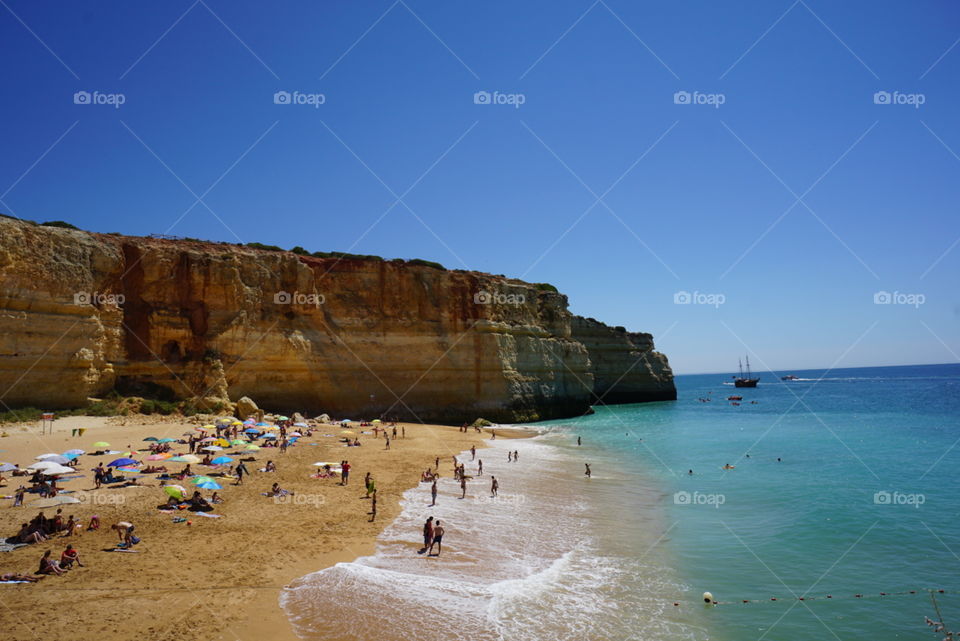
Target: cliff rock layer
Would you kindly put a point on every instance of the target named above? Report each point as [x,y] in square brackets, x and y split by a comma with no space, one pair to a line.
[84,313]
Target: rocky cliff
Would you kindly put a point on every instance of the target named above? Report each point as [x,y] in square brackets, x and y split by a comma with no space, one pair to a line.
[84,313]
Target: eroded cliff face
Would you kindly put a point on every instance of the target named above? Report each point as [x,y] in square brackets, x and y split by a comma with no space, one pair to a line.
[625,366]
[83,313]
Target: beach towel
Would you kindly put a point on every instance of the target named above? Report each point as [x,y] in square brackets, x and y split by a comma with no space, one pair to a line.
[208,515]
[14,581]
[10,547]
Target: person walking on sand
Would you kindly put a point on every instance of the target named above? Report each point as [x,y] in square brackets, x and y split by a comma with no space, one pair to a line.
[433,493]
[494,486]
[587,472]
[479,467]
[427,534]
[241,471]
[388,441]
[345,472]
[373,507]
[463,486]
[437,540]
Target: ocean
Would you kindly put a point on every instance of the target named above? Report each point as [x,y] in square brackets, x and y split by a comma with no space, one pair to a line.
[842,486]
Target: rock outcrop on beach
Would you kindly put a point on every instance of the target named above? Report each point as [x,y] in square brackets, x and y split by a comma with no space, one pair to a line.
[82,314]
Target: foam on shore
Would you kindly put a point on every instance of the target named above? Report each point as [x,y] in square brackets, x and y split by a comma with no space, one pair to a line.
[537,562]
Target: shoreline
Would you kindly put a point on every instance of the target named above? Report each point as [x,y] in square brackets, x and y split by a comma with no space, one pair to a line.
[209,580]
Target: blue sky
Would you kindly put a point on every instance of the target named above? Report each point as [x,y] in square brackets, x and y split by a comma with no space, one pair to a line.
[795,200]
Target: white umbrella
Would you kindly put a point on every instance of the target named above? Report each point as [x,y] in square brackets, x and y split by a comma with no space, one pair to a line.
[43,465]
[56,469]
[46,456]
[55,458]
[211,448]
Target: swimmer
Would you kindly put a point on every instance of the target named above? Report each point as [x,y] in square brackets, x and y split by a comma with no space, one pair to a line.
[729,467]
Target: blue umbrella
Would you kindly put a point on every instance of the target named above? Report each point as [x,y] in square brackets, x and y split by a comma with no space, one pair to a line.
[121,462]
[70,455]
[220,460]
[151,438]
[269,436]
[252,430]
[167,440]
[210,485]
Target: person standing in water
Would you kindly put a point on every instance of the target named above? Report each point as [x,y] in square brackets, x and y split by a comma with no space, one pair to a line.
[587,473]
[479,467]
[509,456]
[578,441]
[473,452]
[433,493]
[494,486]
[427,534]
[463,486]
[437,540]
[516,456]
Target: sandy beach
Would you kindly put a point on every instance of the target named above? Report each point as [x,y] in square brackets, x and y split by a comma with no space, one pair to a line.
[214,578]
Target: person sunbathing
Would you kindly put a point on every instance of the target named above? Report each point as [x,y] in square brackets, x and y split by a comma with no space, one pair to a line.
[276,490]
[199,504]
[216,498]
[28,534]
[16,576]
[153,469]
[49,565]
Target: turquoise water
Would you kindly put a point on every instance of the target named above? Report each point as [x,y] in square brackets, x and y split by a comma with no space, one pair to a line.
[862,501]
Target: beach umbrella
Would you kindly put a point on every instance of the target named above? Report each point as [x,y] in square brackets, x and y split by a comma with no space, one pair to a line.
[6,467]
[176,491]
[262,424]
[56,458]
[59,469]
[210,485]
[43,465]
[222,442]
[167,440]
[74,451]
[236,423]
[43,457]
[128,468]
[376,420]
[283,418]
[208,427]
[237,441]
[121,461]
[160,457]
[151,438]
[185,458]
[211,448]
[208,439]
[53,501]
[70,455]
[200,478]
[269,436]
[299,424]
[101,444]
[222,460]
[295,434]
[252,430]
[251,447]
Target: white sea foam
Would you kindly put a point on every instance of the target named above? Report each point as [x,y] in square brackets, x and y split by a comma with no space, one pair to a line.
[527,565]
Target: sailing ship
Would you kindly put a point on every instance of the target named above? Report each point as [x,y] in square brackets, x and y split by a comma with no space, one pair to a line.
[748,380]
